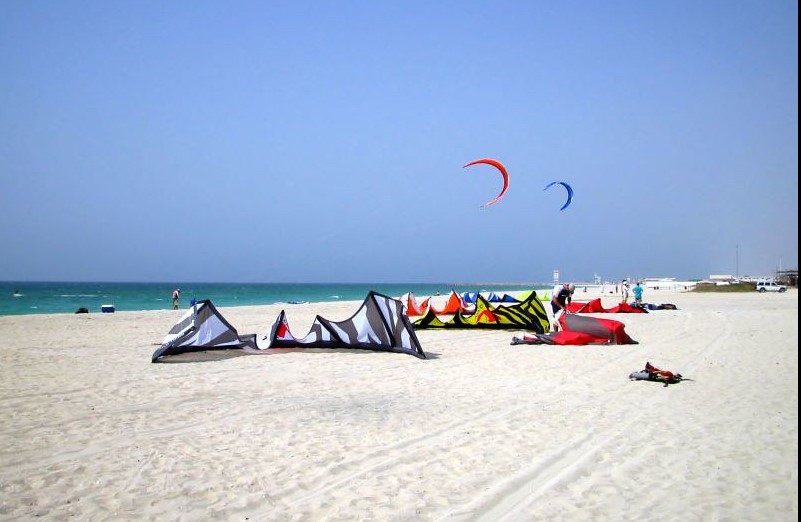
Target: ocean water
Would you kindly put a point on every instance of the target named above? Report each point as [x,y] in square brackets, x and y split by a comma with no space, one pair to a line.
[21,298]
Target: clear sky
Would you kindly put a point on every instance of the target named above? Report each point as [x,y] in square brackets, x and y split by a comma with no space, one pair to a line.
[323,141]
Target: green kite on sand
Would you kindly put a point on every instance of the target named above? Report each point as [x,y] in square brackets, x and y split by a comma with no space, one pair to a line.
[528,314]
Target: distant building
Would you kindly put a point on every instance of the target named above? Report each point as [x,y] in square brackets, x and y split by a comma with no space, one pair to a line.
[667,283]
[787,277]
[784,277]
[721,277]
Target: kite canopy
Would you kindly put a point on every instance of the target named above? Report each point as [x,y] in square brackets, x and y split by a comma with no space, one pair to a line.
[203,328]
[528,315]
[567,187]
[505,298]
[413,308]
[470,297]
[453,304]
[595,306]
[498,165]
[379,324]
[581,330]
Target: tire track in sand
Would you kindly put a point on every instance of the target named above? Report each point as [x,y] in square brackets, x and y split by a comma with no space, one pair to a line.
[511,499]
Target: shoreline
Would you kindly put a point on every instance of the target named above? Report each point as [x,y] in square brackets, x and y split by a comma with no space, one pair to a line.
[482,430]
[582,291]
[68,298]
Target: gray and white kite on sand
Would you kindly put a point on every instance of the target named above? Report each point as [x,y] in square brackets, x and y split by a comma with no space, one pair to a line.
[203,328]
[379,324]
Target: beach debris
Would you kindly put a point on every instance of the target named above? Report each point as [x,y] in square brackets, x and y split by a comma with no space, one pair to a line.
[652,373]
[567,187]
[505,175]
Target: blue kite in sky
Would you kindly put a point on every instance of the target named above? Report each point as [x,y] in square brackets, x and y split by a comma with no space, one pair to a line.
[569,191]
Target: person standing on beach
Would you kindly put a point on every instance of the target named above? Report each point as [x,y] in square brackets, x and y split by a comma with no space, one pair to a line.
[624,290]
[559,303]
[176,298]
[637,291]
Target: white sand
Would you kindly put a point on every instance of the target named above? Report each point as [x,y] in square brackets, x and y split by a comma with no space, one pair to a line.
[481,431]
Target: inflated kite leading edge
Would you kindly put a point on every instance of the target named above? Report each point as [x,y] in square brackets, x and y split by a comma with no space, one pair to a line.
[498,165]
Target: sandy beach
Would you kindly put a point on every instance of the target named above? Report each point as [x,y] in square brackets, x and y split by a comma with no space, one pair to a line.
[481,431]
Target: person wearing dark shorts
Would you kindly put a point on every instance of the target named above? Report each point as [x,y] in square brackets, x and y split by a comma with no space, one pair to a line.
[559,303]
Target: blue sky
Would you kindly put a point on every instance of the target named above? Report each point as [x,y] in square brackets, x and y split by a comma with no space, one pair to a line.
[319,141]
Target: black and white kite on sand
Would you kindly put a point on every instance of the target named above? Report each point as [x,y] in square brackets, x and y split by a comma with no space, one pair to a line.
[379,324]
[203,328]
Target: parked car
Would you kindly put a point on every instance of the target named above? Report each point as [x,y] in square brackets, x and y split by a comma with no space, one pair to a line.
[770,286]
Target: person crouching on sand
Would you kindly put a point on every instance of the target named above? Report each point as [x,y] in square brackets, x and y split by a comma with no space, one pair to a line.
[559,303]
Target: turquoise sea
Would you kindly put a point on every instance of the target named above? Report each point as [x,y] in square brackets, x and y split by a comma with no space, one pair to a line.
[20,298]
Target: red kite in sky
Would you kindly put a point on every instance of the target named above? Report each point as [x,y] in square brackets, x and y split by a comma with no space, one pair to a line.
[498,165]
